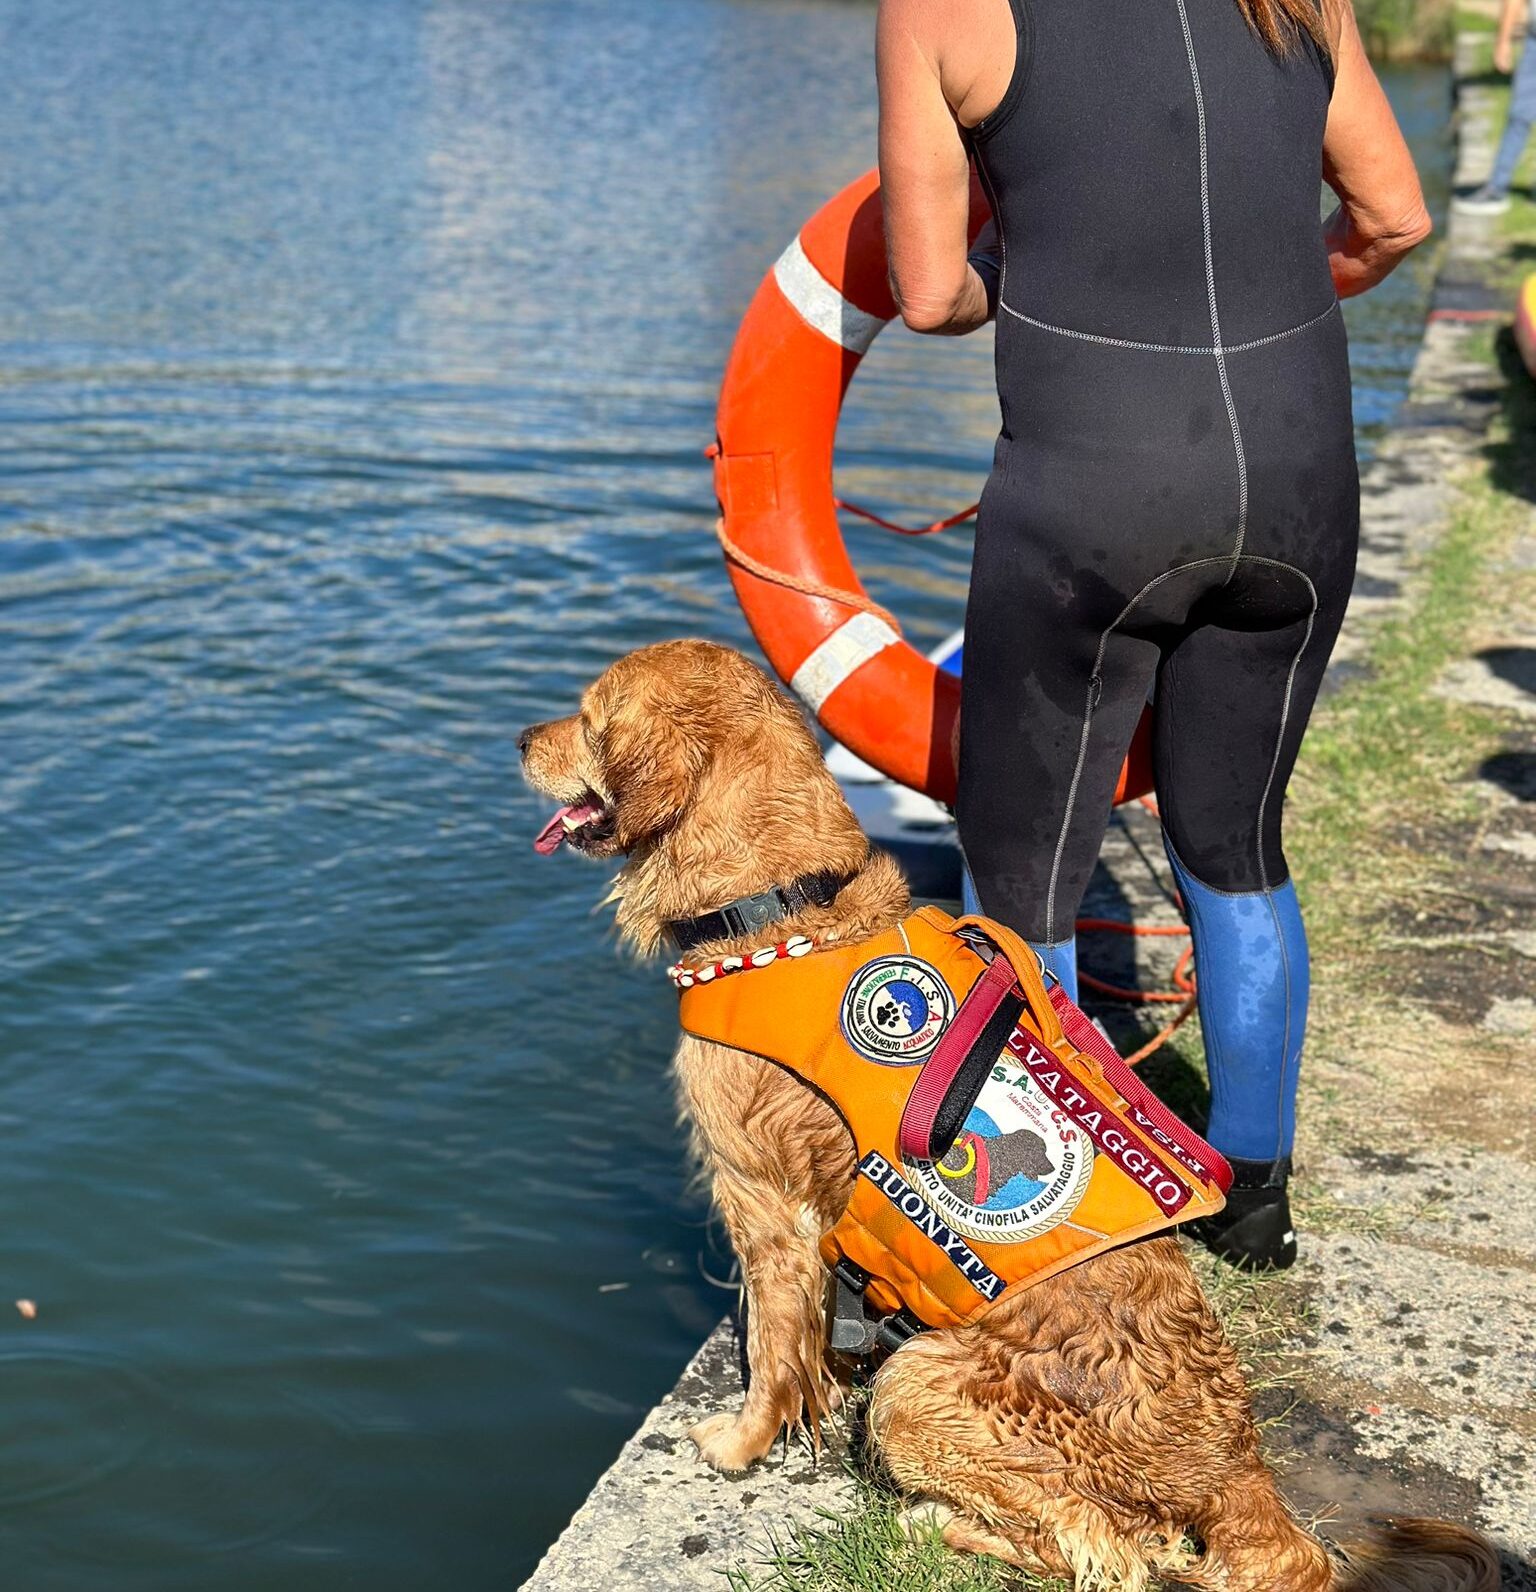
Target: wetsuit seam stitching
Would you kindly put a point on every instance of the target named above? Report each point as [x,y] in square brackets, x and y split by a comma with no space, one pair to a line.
[1165,348]
[1230,895]
[1242,463]
[1269,894]
[1210,290]
[1077,777]
[1285,718]
[1275,337]
[1285,1038]
[1095,681]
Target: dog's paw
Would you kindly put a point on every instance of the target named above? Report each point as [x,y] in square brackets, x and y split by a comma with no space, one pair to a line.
[724,1446]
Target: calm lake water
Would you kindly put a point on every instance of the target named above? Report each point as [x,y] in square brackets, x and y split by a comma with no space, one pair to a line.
[355,363]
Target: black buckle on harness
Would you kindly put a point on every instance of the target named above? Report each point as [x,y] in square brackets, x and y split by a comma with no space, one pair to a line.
[895,1330]
[986,950]
[855,1332]
[749,913]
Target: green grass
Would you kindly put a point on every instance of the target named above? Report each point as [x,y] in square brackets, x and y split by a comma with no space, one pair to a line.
[1386,747]
[1403,30]
[870,1550]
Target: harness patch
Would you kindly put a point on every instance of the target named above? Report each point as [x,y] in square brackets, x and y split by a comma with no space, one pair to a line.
[1092,1117]
[895,1008]
[915,1208]
[1019,1166]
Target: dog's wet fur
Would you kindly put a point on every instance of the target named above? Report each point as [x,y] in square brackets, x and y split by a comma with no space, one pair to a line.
[1095,1425]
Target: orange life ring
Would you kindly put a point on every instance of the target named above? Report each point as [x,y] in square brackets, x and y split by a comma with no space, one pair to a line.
[801,340]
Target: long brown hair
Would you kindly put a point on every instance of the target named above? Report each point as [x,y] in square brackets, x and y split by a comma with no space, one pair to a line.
[1281,23]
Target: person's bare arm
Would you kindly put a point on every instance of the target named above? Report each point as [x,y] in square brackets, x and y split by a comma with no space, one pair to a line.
[924,177]
[1381,214]
[1510,18]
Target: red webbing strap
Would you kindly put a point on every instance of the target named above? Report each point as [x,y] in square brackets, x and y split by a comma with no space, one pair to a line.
[1082,1030]
[1186,1146]
[914,1136]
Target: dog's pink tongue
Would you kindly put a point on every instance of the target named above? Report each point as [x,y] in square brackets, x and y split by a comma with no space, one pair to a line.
[551,835]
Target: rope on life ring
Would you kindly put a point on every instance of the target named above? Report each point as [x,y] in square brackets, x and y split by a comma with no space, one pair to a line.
[857,601]
[806,587]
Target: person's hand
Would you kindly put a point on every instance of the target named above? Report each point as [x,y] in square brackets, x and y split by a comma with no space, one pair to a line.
[1504,56]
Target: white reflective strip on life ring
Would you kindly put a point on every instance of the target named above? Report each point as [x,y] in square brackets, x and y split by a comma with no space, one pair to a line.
[855,641]
[820,304]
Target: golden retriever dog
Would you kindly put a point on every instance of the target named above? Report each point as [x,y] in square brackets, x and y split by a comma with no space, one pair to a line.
[1094,1425]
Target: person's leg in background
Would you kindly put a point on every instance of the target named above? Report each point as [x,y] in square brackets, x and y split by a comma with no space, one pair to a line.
[1517,130]
[1494,194]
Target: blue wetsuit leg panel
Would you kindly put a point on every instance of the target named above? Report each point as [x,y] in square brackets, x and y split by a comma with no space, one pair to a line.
[1251,971]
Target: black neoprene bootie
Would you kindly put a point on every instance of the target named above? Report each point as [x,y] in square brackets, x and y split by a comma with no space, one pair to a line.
[1253,1230]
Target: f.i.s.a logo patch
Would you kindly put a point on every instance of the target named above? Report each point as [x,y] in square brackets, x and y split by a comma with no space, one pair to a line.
[1018,1167]
[895,1008]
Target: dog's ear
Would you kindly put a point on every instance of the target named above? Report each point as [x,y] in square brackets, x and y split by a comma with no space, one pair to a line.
[651,761]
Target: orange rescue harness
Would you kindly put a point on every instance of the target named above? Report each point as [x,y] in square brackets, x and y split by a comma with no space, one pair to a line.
[999,1137]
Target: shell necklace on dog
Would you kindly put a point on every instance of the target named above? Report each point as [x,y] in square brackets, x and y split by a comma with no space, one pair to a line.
[686,977]
[748,915]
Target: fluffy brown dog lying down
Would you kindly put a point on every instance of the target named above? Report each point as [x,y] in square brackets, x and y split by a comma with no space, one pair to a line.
[1095,1424]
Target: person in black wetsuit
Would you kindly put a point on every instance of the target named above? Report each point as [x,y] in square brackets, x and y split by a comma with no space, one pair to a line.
[1173,505]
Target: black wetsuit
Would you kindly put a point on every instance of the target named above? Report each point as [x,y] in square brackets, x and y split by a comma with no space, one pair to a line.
[1174,501]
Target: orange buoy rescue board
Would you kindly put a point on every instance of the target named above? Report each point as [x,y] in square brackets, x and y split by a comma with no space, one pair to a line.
[810,323]
[1525,323]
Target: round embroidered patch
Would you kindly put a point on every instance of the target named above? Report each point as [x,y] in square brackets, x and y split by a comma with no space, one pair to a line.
[1018,1167]
[895,1008]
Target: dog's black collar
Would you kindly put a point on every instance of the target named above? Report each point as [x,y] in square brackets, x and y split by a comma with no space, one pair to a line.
[746,914]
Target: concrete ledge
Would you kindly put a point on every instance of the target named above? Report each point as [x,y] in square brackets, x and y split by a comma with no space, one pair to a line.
[660,1518]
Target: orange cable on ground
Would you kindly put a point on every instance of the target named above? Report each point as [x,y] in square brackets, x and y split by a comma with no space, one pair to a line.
[1161,1037]
[1183,979]
[1184,984]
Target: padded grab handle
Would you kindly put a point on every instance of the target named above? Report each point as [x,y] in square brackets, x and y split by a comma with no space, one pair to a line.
[1026,969]
[952,1077]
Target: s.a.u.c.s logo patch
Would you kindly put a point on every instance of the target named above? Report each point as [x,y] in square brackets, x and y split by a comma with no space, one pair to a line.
[895,1008]
[1018,1166]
